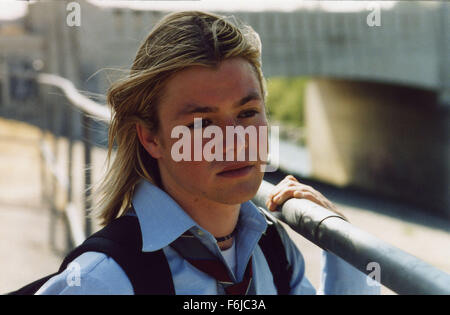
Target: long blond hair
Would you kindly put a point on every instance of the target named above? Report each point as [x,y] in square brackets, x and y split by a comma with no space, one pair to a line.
[178,41]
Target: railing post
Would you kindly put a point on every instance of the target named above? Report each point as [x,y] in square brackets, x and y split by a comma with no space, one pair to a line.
[69,188]
[53,182]
[44,128]
[4,71]
[89,109]
[87,172]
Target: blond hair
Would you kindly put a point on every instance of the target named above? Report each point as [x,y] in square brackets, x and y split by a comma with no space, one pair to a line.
[178,41]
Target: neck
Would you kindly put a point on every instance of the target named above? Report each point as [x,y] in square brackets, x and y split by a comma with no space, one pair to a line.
[217,218]
[225,244]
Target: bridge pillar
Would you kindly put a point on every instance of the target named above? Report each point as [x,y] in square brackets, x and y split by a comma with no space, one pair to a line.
[387,139]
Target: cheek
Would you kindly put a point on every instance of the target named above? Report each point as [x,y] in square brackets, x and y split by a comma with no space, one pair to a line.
[192,175]
[190,169]
[186,150]
[262,135]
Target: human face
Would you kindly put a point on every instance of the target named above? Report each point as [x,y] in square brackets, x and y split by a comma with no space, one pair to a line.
[227,96]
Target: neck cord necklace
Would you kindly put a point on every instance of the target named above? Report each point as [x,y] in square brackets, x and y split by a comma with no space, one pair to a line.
[227,237]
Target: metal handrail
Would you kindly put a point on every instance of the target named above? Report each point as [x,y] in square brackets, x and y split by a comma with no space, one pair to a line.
[401,272]
[80,101]
[89,108]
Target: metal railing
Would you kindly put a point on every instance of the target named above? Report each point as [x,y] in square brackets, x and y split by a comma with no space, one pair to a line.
[401,272]
[78,230]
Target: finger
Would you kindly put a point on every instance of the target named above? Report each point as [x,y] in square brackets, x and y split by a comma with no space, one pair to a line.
[284,184]
[278,189]
[272,206]
[322,201]
[290,177]
[290,192]
[296,192]
[280,196]
[289,188]
[292,186]
[314,198]
[316,194]
[287,192]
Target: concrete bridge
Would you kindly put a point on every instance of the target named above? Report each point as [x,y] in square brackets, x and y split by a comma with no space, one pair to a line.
[377,105]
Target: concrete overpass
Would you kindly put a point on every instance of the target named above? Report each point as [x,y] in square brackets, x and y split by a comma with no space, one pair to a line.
[378,100]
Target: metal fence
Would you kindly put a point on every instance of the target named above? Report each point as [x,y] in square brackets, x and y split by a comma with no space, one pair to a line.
[91,110]
[401,272]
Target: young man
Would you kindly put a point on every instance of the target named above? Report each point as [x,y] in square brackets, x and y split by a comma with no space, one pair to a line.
[195,65]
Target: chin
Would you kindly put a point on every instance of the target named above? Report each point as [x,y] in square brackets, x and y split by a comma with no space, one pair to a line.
[239,193]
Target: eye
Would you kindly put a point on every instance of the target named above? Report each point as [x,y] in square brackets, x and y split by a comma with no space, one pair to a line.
[248,113]
[205,122]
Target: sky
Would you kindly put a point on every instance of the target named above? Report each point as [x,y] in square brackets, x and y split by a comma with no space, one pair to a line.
[12,9]
[250,5]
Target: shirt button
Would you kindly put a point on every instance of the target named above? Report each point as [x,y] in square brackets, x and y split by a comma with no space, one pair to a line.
[200,233]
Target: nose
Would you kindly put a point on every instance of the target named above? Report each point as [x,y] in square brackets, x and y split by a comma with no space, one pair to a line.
[234,142]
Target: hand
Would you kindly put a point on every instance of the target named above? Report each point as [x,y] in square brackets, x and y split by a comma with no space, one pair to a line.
[290,187]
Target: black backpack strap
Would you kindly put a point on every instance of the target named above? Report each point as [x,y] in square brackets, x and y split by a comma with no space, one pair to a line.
[148,272]
[275,253]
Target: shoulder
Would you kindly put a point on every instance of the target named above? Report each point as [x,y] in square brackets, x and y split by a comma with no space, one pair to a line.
[90,273]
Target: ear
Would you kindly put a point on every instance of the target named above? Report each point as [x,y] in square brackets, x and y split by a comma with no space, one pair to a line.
[149,141]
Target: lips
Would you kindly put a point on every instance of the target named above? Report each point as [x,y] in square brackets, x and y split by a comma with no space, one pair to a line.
[236,170]
[235,166]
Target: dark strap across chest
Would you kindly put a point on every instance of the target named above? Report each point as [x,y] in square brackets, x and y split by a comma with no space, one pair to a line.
[149,272]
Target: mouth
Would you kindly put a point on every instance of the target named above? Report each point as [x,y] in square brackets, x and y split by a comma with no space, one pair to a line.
[238,170]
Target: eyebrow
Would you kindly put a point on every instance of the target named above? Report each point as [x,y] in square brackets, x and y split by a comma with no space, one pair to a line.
[195,108]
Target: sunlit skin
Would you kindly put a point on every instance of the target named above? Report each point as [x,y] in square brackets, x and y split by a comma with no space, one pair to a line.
[229,95]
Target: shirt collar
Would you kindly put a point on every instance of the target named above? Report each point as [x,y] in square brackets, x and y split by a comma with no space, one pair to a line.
[156,210]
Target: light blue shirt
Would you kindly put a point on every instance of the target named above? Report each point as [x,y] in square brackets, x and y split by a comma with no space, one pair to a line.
[162,221]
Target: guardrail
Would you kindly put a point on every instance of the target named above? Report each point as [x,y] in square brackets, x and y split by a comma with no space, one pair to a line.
[91,110]
[401,272]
